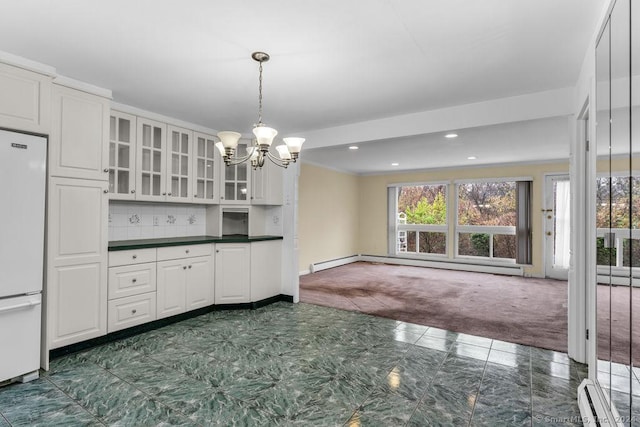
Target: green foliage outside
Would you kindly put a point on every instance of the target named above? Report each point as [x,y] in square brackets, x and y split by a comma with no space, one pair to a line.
[428,213]
[480,242]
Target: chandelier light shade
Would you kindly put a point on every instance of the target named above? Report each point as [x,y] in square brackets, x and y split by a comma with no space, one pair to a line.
[264,135]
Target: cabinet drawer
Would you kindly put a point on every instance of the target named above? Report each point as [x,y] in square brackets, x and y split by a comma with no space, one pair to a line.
[128,280]
[131,311]
[186,251]
[134,256]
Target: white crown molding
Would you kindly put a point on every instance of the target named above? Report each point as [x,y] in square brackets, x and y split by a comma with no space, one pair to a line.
[27,64]
[83,86]
[161,118]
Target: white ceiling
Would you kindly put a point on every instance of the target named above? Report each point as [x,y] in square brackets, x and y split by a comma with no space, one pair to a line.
[333,62]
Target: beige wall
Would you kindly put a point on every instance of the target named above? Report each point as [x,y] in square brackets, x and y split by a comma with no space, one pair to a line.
[373,200]
[342,214]
[327,215]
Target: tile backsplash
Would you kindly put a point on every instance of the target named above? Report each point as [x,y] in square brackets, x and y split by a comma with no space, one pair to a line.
[151,220]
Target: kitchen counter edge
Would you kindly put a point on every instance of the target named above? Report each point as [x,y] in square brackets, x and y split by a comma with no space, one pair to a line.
[123,245]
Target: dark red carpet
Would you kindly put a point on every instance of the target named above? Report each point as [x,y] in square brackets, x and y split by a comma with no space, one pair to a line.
[514,309]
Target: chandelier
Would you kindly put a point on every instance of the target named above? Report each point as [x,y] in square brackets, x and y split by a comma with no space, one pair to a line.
[258,152]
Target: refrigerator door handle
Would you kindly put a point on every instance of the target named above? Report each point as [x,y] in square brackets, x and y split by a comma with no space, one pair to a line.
[19,306]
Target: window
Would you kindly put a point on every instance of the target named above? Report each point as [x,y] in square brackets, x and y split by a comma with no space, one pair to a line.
[420,219]
[493,221]
[487,219]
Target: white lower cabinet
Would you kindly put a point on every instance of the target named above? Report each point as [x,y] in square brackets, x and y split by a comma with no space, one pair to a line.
[233,274]
[130,311]
[76,290]
[266,270]
[132,288]
[185,283]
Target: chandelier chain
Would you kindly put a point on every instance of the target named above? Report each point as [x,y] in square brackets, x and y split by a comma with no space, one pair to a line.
[260,96]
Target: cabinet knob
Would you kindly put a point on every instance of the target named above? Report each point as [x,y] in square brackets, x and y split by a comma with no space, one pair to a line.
[164,194]
[134,280]
[217,251]
[134,311]
[222,197]
[106,170]
[133,191]
[105,191]
[195,195]
[168,194]
[187,251]
[134,256]
[184,267]
[189,266]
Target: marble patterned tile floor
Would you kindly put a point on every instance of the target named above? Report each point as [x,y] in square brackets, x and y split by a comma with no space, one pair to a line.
[299,364]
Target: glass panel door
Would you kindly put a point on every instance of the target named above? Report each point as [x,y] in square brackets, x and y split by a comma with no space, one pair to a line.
[179,164]
[150,164]
[204,169]
[121,156]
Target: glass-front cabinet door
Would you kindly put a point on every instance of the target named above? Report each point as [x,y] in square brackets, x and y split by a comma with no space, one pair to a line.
[122,137]
[236,180]
[206,188]
[179,164]
[150,160]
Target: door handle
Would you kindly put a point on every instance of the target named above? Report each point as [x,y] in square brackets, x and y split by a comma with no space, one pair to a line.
[19,306]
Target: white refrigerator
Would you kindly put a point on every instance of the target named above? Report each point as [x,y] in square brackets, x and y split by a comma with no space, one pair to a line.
[22,224]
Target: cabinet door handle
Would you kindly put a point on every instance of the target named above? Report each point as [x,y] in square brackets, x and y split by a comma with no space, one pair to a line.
[164,194]
[105,191]
[187,251]
[134,256]
[134,311]
[184,267]
[217,251]
[222,197]
[133,191]
[195,195]
[134,280]
[189,266]
[106,170]
[168,194]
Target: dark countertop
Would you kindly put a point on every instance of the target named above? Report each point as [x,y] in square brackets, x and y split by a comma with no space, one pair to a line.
[123,245]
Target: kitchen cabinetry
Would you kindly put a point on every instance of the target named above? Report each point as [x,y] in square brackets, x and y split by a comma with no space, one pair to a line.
[236,182]
[233,273]
[132,288]
[80,129]
[179,159]
[184,279]
[266,185]
[76,289]
[266,270]
[150,160]
[206,179]
[122,155]
[25,103]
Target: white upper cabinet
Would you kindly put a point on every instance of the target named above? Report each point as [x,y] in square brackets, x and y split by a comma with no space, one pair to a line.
[179,164]
[79,137]
[206,177]
[266,185]
[25,103]
[122,155]
[236,182]
[150,160]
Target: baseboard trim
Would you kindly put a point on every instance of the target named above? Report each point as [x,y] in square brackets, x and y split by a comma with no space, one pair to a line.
[323,265]
[446,265]
[156,324]
[304,272]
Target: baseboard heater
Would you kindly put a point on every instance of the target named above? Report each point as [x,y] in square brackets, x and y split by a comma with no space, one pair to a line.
[447,265]
[318,266]
[594,406]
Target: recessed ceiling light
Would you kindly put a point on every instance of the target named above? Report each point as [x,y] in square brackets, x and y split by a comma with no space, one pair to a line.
[471,158]
[395,164]
[451,135]
[353,147]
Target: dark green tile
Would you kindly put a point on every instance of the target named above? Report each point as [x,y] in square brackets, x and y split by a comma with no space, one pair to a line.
[444,406]
[382,408]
